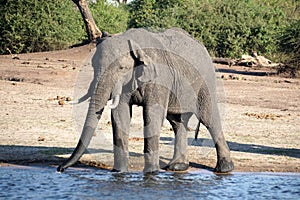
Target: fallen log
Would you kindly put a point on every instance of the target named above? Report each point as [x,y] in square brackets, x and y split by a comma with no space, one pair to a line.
[246,60]
[224,61]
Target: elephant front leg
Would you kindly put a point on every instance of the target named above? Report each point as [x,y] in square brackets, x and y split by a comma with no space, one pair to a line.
[121,123]
[179,124]
[153,119]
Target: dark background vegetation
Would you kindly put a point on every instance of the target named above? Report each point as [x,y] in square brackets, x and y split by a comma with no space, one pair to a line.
[228,28]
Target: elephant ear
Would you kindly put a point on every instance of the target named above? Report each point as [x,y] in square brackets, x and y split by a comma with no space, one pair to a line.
[146,71]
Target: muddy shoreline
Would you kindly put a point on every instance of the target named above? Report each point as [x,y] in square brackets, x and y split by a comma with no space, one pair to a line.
[261,118]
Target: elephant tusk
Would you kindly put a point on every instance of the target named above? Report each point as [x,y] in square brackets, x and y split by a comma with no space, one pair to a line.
[75,102]
[115,102]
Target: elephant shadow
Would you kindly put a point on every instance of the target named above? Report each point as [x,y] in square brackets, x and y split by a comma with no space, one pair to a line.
[14,154]
[241,72]
[43,155]
[240,147]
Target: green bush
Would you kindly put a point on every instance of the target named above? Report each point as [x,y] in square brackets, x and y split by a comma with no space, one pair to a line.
[154,14]
[108,17]
[31,25]
[42,25]
[289,44]
[228,28]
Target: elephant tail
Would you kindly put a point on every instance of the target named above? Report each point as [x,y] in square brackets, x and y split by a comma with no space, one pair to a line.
[197,130]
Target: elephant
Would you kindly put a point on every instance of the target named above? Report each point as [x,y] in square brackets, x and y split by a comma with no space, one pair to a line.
[170,75]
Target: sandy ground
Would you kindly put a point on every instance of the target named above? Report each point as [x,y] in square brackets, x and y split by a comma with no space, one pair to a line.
[261,117]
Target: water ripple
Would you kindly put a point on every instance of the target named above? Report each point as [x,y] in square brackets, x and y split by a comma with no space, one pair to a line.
[44,183]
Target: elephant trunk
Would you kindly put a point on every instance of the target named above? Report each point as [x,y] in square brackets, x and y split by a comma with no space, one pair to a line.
[107,87]
[99,99]
[89,128]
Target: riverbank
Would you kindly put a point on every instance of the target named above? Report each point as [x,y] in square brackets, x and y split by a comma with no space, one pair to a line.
[261,117]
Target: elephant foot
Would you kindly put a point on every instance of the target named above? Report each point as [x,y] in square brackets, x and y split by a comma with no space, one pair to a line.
[224,166]
[124,169]
[60,169]
[177,167]
[152,173]
[151,169]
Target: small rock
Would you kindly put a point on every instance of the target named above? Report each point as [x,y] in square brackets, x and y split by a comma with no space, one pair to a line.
[224,77]
[68,99]
[61,102]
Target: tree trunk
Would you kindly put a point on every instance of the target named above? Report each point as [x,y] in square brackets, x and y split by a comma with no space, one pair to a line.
[122,1]
[90,25]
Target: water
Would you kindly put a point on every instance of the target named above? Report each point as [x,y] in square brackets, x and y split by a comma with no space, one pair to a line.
[45,183]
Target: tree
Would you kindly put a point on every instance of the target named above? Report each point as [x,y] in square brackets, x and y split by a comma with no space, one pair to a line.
[31,26]
[121,1]
[92,30]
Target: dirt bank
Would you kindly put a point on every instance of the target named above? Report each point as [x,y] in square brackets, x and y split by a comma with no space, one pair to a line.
[261,120]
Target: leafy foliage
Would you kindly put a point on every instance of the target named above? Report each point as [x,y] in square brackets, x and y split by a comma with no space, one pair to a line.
[228,28]
[109,18]
[154,14]
[289,44]
[32,25]
[41,25]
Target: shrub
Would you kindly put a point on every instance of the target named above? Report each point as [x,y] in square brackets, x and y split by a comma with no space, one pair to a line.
[289,40]
[289,44]
[228,28]
[109,17]
[28,26]
[154,14]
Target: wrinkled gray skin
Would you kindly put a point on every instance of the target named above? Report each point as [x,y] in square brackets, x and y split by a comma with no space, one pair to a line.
[171,76]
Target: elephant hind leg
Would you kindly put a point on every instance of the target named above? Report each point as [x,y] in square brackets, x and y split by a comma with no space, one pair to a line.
[209,116]
[179,123]
[224,162]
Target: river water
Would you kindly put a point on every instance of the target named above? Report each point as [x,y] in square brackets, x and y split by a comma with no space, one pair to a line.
[78,183]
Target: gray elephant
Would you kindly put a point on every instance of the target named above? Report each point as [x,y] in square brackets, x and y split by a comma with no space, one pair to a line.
[171,76]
